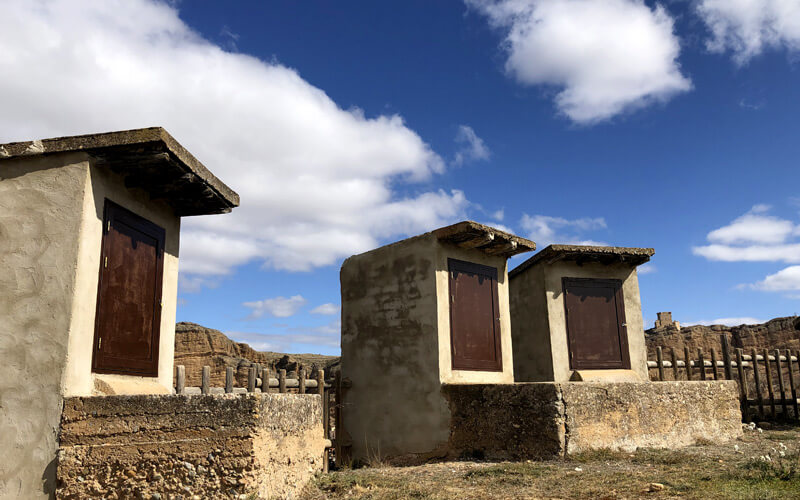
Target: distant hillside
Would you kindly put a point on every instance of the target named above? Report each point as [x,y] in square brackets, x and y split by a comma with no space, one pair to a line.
[196,346]
[778,333]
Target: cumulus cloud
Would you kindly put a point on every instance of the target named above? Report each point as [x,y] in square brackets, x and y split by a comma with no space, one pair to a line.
[785,280]
[277,307]
[328,309]
[472,147]
[736,321]
[545,229]
[317,182]
[293,339]
[646,269]
[746,28]
[754,236]
[606,56]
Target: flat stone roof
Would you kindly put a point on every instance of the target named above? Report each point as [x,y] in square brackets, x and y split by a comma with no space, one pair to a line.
[469,234]
[585,253]
[148,158]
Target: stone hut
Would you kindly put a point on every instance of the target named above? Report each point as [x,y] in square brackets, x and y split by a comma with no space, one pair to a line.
[89,238]
[417,314]
[576,315]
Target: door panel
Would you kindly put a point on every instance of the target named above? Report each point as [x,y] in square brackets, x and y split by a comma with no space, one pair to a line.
[596,331]
[474,318]
[127,326]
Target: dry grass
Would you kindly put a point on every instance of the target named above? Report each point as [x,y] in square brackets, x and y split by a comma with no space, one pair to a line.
[703,471]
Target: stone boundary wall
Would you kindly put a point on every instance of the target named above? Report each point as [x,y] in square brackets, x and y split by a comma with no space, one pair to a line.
[211,446]
[546,420]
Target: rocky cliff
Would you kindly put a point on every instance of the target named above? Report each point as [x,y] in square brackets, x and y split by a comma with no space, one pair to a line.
[196,346]
[779,333]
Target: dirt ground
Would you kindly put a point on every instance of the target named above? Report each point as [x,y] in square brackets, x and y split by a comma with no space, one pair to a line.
[763,464]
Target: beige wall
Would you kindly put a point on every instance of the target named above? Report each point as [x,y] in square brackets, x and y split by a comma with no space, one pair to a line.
[539,326]
[396,347]
[446,373]
[556,317]
[530,330]
[78,379]
[51,210]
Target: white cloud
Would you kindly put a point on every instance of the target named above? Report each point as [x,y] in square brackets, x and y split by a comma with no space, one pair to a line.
[755,236]
[749,27]
[745,320]
[472,147]
[545,230]
[498,214]
[646,269]
[317,182]
[295,339]
[607,56]
[328,309]
[278,307]
[785,280]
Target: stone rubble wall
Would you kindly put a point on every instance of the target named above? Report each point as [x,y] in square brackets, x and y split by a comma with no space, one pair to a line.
[546,420]
[215,446]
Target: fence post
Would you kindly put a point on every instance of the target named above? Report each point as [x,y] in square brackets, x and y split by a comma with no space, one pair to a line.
[745,397]
[714,367]
[674,364]
[265,376]
[726,357]
[792,387]
[701,360]
[301,380]
[688,363]
[228,380]
[282,381]
[757,379]
[337,414]
[325,417]
[251,379]
[180,379]
[205,380]
[769,384]
[781,385]
[660,358]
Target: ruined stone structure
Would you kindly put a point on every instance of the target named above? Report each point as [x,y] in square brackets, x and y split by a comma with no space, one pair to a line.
[89,238]
[665,321]
[404,334]
[223,446]
[576,314]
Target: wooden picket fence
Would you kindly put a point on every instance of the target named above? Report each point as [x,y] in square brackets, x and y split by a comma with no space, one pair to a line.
[260,380]
[756,374]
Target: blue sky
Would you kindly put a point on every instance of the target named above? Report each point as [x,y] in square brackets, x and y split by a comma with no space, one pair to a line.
[348,125]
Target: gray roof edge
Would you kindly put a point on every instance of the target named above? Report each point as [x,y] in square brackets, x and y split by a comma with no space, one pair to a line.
[132,138]
[553,253]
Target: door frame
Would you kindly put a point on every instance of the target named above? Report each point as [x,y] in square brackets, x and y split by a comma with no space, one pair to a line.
[112,212]
[491,273]
[622,329]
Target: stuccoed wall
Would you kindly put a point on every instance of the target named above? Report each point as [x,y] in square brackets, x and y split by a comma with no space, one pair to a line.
[78,378]
[41,203]
[390,351]
[541,420]
[556,316]
[224,446]
[530,330]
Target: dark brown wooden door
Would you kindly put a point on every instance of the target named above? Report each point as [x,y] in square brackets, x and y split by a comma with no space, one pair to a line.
[127,325]
[596,324]
[474,317]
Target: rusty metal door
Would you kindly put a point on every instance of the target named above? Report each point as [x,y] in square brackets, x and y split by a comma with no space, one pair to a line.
[596,328]
[474,317]
[128,318]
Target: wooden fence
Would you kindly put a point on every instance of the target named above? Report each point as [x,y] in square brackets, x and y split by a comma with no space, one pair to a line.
[260,380]
[768,379]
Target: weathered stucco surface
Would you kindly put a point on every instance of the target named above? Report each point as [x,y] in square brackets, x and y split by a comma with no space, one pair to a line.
[51,212]
[220,446]
[533,337]
[396,348]
[540,420]
[390,351]
[40,219]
